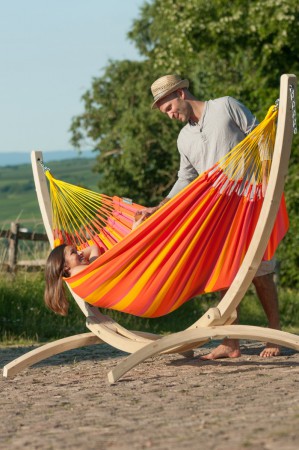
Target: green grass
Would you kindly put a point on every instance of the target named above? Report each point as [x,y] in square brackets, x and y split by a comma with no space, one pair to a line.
[25,319]
[17,191]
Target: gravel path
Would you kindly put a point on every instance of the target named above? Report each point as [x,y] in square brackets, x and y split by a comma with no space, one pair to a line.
[168,402]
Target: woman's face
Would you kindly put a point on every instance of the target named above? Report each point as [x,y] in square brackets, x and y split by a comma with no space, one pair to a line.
[72,257]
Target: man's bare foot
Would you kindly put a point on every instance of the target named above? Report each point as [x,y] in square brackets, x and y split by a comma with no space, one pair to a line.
[229,348]
[270,350]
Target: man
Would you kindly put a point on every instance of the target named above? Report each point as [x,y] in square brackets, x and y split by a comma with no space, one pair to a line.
[212,129]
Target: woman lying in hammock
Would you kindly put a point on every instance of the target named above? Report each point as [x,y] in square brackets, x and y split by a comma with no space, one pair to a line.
[64,261]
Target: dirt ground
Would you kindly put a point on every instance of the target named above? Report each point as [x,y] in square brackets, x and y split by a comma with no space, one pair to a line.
[167,402]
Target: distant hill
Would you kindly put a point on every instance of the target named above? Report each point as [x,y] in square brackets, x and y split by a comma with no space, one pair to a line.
[17,158]
[18,199]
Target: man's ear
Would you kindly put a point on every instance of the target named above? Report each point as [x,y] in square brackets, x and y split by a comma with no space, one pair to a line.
[181,94]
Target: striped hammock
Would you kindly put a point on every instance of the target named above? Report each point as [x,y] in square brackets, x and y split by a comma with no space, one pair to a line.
[194,244]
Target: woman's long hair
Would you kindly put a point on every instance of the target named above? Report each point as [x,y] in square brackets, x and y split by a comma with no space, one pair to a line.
[55,295]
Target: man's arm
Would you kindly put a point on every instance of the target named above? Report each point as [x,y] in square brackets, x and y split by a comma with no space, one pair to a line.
[145,213]
[186,174]
[247,122]
[241,115]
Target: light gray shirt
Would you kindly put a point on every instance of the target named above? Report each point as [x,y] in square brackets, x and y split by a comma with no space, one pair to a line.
[224,123]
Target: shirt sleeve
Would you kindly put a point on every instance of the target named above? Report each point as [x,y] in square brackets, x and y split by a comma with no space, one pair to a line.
[241,115]
[246,121]
[186,174]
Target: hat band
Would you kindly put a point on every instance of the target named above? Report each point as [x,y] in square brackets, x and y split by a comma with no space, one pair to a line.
[165,87]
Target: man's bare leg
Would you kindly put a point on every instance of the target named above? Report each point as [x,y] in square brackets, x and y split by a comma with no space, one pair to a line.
[229,348]
[267,293]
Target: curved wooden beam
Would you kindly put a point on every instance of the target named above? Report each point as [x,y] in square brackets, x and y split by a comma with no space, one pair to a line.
[258,244]
[264,227]
[226,309]
[193,336]
[103,328]
[143,344]
[47,350]
[89,311]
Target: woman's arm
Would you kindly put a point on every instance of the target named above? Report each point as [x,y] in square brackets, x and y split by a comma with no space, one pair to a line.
[88,255]
[90,252]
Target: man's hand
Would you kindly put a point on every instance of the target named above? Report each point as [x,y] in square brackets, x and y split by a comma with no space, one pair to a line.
[143,214]
[146,212]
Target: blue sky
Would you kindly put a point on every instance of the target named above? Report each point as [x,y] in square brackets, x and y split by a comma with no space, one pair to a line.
[49,52]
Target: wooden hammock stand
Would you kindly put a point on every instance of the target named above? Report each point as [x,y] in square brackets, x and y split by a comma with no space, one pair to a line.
[217,322]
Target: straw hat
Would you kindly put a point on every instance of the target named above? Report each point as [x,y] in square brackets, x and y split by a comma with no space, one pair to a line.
[165,86]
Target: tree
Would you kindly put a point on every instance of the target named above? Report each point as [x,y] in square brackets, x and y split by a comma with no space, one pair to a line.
[135,158]
[239,47]
[235,48]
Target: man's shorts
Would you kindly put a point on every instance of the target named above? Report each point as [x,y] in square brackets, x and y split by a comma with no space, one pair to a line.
[265,268]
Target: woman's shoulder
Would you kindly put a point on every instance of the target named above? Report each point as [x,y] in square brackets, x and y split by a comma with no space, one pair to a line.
[78,269]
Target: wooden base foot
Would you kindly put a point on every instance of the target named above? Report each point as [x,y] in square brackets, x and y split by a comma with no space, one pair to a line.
[47,350]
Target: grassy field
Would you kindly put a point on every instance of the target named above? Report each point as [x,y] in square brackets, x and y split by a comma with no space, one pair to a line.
[18,201]
[25,319]
[17,191]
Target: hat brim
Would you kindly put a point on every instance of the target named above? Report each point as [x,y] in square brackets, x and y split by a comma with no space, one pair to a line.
[182,84]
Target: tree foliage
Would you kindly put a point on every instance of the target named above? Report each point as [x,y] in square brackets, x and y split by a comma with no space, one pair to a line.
[135,158]
[235,48]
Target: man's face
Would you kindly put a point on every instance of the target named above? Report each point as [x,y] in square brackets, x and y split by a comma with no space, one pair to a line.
[175,107]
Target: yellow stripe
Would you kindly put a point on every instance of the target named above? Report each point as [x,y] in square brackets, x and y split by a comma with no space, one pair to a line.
[220,260]
[81,280]
[136,290]
[114,233]
[105,240]
[105,287]
[174,275]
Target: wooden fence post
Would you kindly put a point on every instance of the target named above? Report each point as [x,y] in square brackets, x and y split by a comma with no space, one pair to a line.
[13,246]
